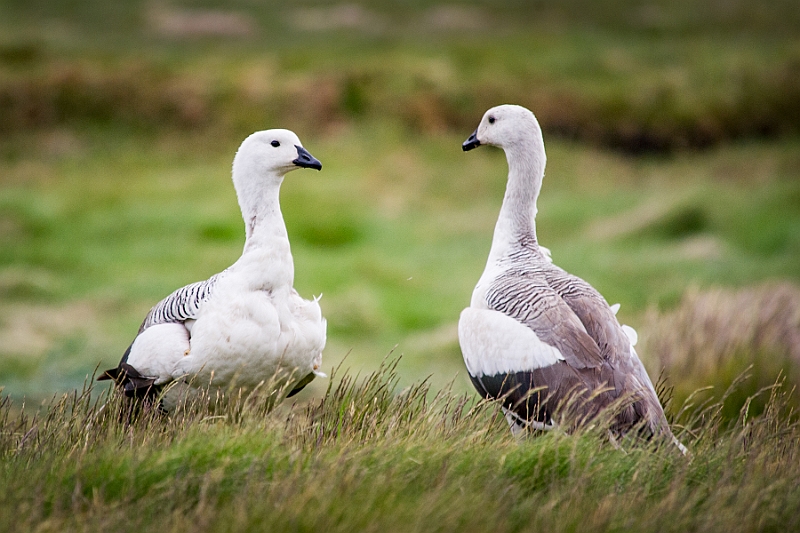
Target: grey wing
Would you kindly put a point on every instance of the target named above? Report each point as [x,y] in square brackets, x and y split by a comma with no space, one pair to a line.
[528,299]
[594,313]
[566,385]
[569,314]
[181,305]
[629,374]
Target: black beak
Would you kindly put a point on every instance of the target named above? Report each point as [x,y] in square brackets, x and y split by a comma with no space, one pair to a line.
[306,160]
[472,142]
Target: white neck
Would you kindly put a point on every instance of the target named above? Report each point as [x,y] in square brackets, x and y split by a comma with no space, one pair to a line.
[266,247]
[263,219]
[517,221]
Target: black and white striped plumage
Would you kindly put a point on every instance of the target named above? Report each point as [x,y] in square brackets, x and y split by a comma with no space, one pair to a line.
[246,325]
[541,340]
[181,305]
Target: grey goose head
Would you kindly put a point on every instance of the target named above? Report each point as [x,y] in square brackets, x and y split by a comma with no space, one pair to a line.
[505,126]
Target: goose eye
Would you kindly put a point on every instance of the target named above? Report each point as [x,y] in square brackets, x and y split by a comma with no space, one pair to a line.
[491,120]
[275,144]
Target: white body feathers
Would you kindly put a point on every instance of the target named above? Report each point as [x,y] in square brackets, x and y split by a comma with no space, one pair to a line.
[246,325]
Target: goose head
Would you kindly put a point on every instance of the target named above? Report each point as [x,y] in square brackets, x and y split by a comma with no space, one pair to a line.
[272,153]
[261,163]
[506,126]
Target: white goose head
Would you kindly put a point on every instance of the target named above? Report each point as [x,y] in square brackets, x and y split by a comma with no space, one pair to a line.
[261,163]
[273,153]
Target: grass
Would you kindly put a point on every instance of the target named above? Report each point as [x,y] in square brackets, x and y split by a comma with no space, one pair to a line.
[711,335]
[366,456]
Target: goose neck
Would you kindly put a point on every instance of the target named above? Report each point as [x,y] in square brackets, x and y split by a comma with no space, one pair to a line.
[259,200]
[516,224]
[267,256]
[264,223]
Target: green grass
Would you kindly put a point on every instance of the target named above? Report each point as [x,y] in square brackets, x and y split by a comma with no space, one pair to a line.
[369,457]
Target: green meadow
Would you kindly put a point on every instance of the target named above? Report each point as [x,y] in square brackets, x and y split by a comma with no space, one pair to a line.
[673,186]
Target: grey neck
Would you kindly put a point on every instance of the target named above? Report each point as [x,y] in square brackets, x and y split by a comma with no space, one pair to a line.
[516,225]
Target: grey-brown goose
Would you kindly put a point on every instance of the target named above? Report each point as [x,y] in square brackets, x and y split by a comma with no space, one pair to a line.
[542,340]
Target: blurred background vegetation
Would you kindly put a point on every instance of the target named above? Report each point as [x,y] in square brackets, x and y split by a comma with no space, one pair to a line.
[673,179]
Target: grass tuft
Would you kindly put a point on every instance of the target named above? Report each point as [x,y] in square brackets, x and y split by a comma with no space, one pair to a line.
[718,337]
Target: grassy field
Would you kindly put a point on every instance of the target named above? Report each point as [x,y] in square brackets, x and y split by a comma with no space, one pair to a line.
[673,186]
[371,457]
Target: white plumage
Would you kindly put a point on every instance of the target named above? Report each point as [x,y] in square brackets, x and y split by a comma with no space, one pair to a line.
[247,324]
[496,344]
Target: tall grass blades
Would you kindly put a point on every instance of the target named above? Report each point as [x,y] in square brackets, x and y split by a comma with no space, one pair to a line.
[367,457]
[717,336]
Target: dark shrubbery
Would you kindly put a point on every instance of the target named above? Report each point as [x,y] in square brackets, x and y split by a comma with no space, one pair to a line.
[763,104]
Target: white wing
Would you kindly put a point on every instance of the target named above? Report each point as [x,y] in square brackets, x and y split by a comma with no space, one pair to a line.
[494,343]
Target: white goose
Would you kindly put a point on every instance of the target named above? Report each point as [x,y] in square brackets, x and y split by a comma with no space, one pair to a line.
[542,340]
[246,324]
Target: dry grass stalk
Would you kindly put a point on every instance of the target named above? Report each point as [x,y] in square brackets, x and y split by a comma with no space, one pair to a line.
[715,335]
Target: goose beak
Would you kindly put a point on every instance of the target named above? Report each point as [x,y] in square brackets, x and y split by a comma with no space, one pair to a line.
[306,160]
[472,142]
